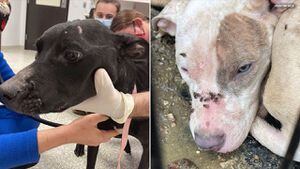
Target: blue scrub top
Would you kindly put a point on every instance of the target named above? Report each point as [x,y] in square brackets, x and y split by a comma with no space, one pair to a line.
[18,133]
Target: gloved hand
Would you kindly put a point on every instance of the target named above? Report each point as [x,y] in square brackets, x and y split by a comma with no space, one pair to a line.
[108,101]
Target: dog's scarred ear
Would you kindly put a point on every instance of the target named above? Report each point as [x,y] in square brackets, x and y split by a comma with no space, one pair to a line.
[131,46]
[166,20]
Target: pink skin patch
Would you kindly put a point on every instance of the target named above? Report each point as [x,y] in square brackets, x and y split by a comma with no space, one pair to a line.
[207,124]
[211,114]
[197,70]
[217,119]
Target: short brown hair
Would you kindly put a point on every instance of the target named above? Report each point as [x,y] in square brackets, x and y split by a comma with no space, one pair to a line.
[115,2]
[125,18]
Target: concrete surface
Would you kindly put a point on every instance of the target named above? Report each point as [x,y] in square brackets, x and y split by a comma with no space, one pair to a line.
[63,156]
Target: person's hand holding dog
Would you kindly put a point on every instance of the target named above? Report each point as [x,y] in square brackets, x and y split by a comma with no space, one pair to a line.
[81,131]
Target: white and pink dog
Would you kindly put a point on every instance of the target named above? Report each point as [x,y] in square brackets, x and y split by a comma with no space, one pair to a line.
[223,52]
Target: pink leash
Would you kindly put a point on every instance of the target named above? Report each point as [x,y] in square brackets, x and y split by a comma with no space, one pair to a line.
[125,136]
[123,141]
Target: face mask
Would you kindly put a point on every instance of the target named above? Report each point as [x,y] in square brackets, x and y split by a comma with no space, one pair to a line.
[105,22]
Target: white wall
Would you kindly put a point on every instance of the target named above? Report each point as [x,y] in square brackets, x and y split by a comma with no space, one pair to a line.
[139,5]
[14,33]
[23,22]
[76,10]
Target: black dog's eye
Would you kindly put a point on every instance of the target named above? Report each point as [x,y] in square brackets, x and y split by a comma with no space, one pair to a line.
[245,68]
[73,56]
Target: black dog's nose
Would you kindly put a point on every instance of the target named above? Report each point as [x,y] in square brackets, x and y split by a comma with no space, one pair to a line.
[5,94]
[210,142]
[8,97]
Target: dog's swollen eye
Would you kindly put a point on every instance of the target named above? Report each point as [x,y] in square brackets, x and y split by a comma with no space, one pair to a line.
[73,56]
[245,68]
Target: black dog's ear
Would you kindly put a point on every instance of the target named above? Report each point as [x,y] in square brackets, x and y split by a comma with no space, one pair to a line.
[131,46]
[39,44]
[137,50]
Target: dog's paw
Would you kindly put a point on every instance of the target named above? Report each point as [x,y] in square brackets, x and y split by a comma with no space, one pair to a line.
[128,148]
[79,150]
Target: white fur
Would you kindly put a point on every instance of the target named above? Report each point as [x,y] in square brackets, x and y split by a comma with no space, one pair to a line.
[282,95]
[196,26]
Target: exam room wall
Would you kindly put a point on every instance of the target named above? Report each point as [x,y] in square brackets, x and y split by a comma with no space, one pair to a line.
[14,33]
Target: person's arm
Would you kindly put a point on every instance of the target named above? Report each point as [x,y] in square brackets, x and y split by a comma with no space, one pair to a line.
[23,148]
[141,105]
[81,131]
[18,149]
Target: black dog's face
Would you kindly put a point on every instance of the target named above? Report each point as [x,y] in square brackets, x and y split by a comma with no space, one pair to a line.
[62,75]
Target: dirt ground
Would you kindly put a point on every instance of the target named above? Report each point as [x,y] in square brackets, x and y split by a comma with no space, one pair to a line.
[172,111]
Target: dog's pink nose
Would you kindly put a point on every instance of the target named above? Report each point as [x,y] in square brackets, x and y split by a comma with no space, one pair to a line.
[210,142]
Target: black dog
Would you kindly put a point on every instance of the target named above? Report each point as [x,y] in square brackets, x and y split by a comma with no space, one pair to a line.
[62,75]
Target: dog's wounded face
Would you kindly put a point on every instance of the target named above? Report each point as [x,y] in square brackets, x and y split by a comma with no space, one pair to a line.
[62,75]
[223,52]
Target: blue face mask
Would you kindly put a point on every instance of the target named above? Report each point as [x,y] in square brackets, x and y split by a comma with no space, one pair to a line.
[105,22]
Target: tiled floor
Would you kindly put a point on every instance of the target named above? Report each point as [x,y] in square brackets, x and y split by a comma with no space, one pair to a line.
[63,156]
